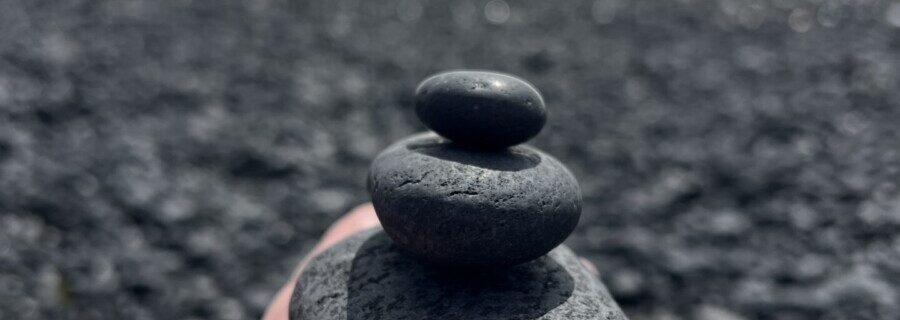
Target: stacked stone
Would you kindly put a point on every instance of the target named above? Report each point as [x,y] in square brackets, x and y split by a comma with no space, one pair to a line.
[470,196]
[482,216]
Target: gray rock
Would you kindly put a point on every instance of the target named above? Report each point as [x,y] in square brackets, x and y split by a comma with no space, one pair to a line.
[465,208]
[481,108]
[368,277]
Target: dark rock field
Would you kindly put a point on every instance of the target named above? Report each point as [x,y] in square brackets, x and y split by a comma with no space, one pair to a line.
[739,159]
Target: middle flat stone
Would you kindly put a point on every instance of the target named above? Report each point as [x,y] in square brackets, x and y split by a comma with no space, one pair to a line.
[469,208]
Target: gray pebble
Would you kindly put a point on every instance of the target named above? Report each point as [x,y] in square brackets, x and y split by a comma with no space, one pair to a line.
[481,108]
[465,208]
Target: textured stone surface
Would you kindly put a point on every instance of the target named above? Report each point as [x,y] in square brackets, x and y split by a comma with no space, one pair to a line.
[456,206]
[481,108]
[367,277]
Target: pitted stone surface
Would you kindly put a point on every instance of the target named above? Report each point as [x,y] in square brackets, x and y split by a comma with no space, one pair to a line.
[368,277]
[467,208]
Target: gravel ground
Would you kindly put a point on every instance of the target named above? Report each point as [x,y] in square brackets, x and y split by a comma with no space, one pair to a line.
[175,159]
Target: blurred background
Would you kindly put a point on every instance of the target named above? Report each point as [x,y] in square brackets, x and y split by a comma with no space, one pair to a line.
[175,159]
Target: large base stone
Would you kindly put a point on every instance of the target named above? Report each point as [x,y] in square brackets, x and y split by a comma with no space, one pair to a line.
[368,277]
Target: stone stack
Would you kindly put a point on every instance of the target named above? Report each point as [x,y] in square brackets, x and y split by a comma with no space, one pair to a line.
[470,196]
[469,215]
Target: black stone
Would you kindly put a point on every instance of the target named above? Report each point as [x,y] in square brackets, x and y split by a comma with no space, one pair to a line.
[368,277]
[480,108]
[480,209]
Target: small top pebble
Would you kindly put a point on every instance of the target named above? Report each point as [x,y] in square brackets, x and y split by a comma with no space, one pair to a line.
[481,108]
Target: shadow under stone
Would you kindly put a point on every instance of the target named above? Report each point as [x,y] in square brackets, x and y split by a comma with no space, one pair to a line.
[509,159]
[386,283]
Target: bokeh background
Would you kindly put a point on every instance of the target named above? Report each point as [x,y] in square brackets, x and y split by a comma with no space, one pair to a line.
[175,159]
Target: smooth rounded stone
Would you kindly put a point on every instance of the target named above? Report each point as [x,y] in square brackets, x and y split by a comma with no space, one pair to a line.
[473,209]
[481,108]
[368,277]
